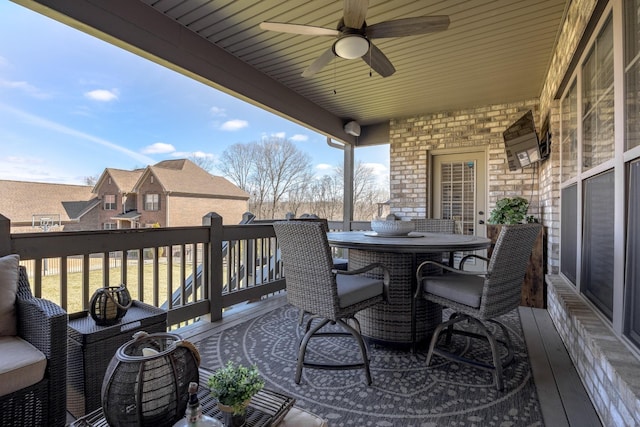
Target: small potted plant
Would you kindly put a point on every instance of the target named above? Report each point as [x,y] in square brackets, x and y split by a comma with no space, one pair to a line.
[511,211]
[233,386]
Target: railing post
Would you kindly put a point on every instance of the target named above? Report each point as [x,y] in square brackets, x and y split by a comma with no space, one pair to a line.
[215,279]
[5,235]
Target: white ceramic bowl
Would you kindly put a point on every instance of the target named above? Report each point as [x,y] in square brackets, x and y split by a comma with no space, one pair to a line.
[392,228]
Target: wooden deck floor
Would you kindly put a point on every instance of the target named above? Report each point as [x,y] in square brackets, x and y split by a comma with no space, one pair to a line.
[563,398]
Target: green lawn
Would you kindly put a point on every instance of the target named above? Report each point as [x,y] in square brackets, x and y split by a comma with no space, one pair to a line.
[51,284]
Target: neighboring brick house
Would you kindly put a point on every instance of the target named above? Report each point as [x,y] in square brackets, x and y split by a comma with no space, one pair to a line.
[69,207]
[171,193]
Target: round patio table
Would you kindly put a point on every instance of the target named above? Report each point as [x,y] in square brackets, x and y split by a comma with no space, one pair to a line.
[390,322]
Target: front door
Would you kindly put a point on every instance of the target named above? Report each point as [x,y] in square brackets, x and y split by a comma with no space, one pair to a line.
[459,190]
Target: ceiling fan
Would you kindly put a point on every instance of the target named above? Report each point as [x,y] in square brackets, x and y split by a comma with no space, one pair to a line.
[354,36]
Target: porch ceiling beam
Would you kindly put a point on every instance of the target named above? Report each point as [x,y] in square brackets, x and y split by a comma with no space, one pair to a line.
[136,27]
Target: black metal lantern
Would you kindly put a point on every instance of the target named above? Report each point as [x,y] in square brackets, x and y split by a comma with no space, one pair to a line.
[109,305]
[147,381]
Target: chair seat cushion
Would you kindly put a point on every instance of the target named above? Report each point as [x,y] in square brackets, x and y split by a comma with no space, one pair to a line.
[462,289]
[9,268]
[355,289]
[21,365]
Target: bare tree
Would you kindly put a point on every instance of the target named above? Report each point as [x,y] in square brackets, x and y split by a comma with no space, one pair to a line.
[367,192]
[270,171]
[91,180]
[238,162]
[325,197]
[206,162]
[298,196]
[286,168]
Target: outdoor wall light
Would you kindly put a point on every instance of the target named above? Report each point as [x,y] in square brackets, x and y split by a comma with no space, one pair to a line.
[351,46]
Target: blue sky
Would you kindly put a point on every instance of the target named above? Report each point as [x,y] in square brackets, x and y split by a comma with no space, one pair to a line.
[72,105]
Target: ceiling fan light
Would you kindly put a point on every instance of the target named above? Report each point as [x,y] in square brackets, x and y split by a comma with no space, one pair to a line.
[351,46]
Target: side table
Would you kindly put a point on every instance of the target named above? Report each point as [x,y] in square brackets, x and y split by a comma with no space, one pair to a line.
[91,347]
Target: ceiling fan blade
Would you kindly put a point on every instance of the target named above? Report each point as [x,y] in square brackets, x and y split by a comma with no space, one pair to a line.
[319,63]
[306,30]
[354,13]
[378,61]
[408,26]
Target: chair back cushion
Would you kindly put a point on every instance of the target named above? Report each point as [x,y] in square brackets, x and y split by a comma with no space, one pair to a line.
[21,365]
[9,266]
[307,264]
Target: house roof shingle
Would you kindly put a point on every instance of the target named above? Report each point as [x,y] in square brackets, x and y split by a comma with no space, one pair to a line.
[184,176]
[19,200]
[125,180]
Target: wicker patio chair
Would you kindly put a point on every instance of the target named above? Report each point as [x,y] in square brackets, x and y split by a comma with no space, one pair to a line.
[437,225]
[44,325]
[330,296]
[480,297]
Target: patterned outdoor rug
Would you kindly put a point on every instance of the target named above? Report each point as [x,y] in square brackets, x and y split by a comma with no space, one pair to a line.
[404,392]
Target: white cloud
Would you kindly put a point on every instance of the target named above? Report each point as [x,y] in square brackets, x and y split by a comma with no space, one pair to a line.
[218,112]
[280,135]
[234,125]
[203,155]
[299,138]
[102,95]
[197,154]
[159,148]
[3,61]
[27,88]
[324,166]
[377,168]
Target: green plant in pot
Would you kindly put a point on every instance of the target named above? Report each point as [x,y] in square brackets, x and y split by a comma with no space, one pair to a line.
[233,386]
[511,210]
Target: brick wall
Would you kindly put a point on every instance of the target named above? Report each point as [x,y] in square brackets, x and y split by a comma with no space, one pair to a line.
[414,137]
[185,211]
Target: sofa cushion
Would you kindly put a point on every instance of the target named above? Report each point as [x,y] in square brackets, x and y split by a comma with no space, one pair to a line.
[8,288]
[21,365]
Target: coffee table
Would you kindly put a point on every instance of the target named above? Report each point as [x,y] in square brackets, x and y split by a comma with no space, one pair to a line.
[267,408]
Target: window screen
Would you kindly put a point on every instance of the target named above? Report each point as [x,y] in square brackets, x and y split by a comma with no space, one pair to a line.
[597,241]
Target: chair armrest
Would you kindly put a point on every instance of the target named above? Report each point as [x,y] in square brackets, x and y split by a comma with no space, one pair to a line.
[44,325]
[464,259]
[385,271]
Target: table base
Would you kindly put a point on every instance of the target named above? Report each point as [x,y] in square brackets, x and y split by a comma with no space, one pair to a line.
[390,322]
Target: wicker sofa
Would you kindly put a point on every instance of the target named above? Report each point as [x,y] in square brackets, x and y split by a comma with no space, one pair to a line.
[43,324]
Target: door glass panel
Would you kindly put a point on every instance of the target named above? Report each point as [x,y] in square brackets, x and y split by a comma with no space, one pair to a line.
[458,194]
